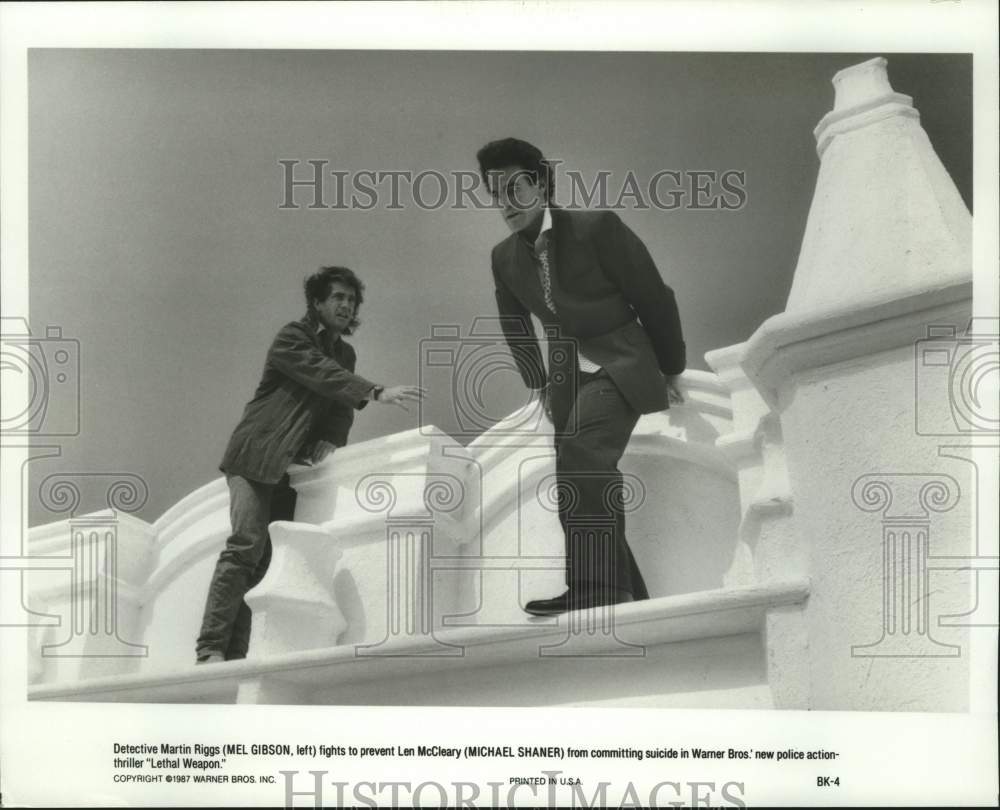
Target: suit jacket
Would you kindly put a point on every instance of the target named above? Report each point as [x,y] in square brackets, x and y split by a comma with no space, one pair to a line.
[611,305]
[308,391]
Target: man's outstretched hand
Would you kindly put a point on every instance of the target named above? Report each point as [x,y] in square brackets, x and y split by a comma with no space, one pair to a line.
[674,395]
[401,395]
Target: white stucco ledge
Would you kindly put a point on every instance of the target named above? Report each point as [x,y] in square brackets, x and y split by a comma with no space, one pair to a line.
[792,342]
[293,677]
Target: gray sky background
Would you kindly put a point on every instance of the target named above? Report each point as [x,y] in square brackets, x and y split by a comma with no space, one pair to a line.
[156,239]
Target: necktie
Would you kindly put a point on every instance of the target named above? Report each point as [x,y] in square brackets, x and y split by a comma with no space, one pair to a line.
[545,275]
[545,272]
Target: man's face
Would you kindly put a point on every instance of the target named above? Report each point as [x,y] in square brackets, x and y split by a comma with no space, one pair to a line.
[521,198]
[336,311]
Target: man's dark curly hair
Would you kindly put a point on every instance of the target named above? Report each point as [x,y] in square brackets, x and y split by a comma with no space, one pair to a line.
[318,286]
[513,152]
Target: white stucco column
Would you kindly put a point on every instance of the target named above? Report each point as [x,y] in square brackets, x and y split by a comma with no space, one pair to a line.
[401,509]
[884,267]
[294,606]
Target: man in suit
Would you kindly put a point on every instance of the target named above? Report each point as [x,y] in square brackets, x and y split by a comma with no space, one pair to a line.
[617,352]
[303,408]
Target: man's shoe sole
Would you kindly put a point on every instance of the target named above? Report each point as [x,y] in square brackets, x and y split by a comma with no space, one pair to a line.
[571,607]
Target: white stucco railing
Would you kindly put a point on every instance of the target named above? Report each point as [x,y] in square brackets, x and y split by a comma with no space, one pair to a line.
[409,535]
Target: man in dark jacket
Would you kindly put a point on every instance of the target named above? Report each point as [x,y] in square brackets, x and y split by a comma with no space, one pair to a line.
[616,353]
[303,408]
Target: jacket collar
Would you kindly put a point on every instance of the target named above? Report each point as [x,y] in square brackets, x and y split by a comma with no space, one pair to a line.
[310,320]
[315,326]
[562,224]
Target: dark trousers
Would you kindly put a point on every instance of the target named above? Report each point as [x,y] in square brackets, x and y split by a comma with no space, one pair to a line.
[589,446]
[225,625]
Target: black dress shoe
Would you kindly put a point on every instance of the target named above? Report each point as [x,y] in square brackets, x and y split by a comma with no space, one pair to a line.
[549,607]
[577,600]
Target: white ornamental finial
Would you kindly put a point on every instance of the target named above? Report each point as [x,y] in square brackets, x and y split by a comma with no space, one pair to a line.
[863,96]
[886,220]
[861,84]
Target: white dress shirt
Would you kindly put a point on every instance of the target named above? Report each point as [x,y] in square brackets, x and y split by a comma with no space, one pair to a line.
[586,365]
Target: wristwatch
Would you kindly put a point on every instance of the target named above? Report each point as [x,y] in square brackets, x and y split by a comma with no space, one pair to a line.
[377,392]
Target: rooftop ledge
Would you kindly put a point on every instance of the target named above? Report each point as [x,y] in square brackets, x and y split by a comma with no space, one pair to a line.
[701,615]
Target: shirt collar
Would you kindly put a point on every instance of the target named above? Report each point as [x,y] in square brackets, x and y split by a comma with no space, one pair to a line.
[546,221]
[546,227]
[315,323]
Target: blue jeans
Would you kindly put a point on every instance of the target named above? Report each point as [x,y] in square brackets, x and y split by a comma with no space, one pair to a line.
[225,625]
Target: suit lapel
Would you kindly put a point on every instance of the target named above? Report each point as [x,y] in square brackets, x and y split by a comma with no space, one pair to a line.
[524,273]
[563,238]
[525,265]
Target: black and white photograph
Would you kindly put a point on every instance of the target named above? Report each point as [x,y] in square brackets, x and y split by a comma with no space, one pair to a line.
[499,404]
